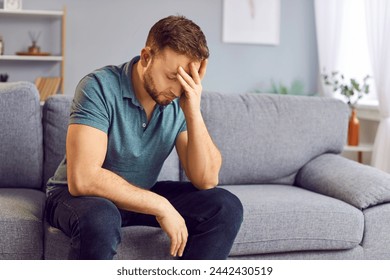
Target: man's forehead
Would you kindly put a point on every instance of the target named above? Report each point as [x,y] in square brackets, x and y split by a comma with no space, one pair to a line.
[172,61]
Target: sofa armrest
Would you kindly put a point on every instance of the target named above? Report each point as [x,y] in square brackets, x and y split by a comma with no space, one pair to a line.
[333,175]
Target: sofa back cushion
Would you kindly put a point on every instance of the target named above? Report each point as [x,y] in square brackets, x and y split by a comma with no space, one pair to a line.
[267,138]
[21,149]
[56,111]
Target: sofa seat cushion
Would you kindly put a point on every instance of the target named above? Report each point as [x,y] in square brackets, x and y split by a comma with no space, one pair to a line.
[21,230]
[281,218]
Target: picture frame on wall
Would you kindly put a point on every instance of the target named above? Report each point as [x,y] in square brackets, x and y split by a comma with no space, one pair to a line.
[251,21]
[12,5]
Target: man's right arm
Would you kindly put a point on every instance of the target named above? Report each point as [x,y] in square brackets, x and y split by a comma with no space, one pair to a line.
[86,149]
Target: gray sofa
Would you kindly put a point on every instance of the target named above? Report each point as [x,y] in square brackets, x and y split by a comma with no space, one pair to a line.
[301,199]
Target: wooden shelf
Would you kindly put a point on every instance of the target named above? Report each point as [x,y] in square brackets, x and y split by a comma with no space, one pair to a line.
[39,13]
[30,58]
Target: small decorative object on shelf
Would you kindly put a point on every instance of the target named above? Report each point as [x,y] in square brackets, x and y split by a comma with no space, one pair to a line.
[34,38]
[3,78]
[34,49]
[12,5]
[353,92]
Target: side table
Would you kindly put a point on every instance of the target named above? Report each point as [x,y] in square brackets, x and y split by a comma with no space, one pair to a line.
[359,149]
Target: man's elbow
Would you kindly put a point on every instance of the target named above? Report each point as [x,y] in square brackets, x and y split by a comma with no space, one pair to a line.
[75,188]
[78,184]
[207,184]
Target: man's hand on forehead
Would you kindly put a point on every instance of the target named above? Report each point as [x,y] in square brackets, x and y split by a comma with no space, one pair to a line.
[193,70]
[192,87]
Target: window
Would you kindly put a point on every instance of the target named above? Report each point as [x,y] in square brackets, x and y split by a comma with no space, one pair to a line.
[354,57]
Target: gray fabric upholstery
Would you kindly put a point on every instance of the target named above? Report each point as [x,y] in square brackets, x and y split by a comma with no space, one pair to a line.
[267,138]
[21,230]
[376,242]
[335,176]
[170,169]
[356,253]
[55,116]
[21,136]
[279,218]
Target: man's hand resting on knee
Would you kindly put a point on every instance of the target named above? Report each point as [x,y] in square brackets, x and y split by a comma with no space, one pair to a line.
[174,225]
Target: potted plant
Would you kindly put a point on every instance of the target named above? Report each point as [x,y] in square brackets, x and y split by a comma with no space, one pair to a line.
[352,92]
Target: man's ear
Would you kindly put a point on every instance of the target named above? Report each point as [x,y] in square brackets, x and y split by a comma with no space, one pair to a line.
[146,56]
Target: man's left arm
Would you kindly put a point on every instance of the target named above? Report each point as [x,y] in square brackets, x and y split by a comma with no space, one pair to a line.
[198,154]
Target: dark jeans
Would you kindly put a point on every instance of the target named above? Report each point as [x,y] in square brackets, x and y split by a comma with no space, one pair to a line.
[213,218]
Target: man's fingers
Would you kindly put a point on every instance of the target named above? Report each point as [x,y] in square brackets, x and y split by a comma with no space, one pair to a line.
[173,246]
[178,243]
[183,83]
[194,73]
[187,78]
[183,243]
[202,69]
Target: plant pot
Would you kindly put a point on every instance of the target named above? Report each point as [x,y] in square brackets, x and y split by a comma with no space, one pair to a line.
[353,129]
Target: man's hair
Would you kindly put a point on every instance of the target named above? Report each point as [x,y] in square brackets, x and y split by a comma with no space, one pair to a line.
[179,34]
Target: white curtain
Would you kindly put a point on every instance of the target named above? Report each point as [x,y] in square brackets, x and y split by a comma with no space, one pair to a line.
[328,15]
[378,28]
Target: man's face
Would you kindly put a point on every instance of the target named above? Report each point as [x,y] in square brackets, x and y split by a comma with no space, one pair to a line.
[160,78]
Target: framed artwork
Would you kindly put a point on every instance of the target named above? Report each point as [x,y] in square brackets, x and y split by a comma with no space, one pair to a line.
[12,5]
[251,21]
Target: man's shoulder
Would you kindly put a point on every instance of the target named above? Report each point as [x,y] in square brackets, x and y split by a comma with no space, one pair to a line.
[103,81]
[106,74]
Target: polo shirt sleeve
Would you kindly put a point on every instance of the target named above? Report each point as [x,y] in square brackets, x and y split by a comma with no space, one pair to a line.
[183,127]
[89,105]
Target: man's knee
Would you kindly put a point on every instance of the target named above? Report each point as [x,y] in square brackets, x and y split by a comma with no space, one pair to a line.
[95,230]
[101,218]
[229,207]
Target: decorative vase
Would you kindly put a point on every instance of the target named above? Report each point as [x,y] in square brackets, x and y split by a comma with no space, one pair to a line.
[353,129]
[34,49]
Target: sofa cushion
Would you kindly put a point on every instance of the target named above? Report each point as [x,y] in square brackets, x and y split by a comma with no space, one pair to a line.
[357,184]
[21,229]
[376,241]
[21,149]
[267,138]
[279,218]
[55,120]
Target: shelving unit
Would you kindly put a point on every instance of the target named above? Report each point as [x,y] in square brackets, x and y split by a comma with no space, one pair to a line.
[31,58]
[60,58]
[32,13]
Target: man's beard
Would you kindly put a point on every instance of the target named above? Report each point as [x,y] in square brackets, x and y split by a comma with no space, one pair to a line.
[162,98]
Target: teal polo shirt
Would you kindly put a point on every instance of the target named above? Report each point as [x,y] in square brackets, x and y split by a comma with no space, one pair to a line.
[136,150]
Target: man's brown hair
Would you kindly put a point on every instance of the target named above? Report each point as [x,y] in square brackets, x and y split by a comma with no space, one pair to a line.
[181,35]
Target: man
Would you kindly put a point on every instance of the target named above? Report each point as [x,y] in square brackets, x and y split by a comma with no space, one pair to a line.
[125,120]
